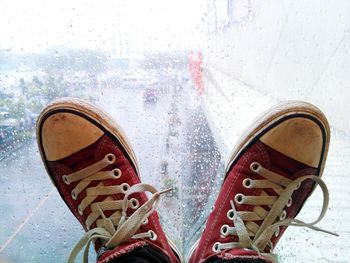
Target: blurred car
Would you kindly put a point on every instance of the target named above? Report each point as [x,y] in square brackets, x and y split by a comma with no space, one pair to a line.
[4,114]
[130,81]
[133,79]
[150,95]
[7,130]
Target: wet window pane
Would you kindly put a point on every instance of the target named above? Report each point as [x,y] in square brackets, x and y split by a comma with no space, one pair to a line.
[184,79]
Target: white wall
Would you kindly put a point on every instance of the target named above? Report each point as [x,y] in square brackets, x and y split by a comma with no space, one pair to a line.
[290,50]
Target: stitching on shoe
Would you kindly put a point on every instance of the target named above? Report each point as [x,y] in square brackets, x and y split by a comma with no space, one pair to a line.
[215,219]
[264,154]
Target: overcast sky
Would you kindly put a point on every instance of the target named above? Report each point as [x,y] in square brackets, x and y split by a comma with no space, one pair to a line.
[35,25]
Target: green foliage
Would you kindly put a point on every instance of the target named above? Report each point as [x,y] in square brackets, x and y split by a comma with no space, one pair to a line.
[35,106]
[4,102]
[61,72]
[17,108]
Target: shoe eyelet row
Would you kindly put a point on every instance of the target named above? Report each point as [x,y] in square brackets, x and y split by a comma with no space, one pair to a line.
[255,167]
[212,209]
[125,187]
[216,247]
[153,236]
[270,244]
[110,158]
[134,203]
[80,210]
[224,230]
[65,179]
[74,195]
[239,198]
[230,214]
[247,183]
[277,232]
[116,173]
[283,215]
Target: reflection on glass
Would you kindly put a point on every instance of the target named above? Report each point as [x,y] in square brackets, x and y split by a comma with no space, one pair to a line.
[183,79]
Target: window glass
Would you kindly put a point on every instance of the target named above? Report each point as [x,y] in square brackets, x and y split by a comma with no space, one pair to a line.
[184,79]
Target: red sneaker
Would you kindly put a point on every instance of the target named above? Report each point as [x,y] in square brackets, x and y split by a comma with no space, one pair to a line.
[269,176]
[95,171]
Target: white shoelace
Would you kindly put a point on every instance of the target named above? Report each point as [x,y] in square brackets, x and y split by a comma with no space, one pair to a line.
[250,234]
[118,228]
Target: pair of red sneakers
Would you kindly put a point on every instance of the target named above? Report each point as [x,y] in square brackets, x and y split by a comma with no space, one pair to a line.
[270,174]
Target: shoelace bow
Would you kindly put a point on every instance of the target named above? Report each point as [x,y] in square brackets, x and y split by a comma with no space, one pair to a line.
[261,235]
[118,228]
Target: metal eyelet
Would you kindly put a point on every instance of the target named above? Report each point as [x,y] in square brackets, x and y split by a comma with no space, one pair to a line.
[277,232]
[270,245]
[216,247]
[247,183]
[298,186]
[230,214]
[239,198]
[134,203]
[110,158]
[116,173]
[125,187]
[74,195]
[80,210]
[224,230]
[255,166]
[145,222]
[212,209]
[290,201]
[65,179]
[283,215]
[153,235]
